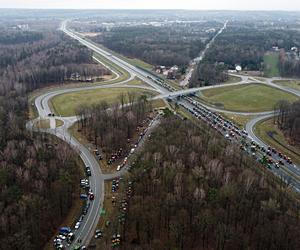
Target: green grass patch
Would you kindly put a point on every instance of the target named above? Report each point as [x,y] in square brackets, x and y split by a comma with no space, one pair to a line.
[271,63]
[123,73]
[160,103]
[66,104]
[42,124]
[138,82]
[58,123]
[239,120]
[134,61]
[138,63]
[263,130]
[233,79]
[246,98]
[293,84]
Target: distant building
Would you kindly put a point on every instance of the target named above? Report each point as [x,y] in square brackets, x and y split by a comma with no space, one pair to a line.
[212,30]
[23,27]
[238,68]
[294,49]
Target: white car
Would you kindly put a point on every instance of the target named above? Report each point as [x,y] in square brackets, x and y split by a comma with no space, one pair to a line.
[119,168]
[62,237]
[77,225]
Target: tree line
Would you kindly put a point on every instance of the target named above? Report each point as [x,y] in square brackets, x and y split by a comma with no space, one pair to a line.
[287,119]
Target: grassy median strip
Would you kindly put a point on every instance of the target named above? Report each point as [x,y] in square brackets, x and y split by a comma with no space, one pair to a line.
[246,98]
[123,73]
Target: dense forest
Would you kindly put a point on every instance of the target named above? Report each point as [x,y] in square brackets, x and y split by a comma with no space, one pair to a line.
[165,45]
[51,59]
[110,127]
[208,74]
[246,46]
[39,175]
[194,190]
[288,119]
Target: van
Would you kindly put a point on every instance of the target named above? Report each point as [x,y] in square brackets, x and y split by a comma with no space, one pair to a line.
[83,197]
[65,230]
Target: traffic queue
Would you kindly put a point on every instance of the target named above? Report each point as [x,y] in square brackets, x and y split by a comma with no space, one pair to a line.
[66,235]
[270,157]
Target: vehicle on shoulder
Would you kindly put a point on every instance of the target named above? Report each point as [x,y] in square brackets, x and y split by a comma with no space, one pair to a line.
[61,237]
[86,208]
[65,230]
[88,171]
[70,237]
[92,196]
[83,196]
[60,246]
[77,225]
[98,234]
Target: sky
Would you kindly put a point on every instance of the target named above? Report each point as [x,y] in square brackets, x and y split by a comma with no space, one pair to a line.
[155,4]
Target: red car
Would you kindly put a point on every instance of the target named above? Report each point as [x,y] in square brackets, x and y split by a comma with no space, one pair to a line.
[92,196]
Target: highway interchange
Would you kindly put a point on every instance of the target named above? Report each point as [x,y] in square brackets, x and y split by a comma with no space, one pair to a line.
[90,221]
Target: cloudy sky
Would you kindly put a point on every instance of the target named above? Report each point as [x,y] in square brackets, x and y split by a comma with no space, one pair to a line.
[156,4]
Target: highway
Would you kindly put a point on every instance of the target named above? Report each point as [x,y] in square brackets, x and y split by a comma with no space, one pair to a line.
[89,223]
[197,60]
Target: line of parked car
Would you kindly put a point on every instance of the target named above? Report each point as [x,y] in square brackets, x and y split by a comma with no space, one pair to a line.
[123,209]
[143,132]
[66,235]
[232,133]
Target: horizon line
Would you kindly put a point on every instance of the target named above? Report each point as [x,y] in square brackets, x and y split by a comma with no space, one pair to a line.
[163,9]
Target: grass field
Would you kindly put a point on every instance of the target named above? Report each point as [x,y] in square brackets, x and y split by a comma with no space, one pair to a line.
[58,123]
[233,79]
[248,97]
[294,84]
[42,124]
[66,104]
[137,82]
[239,120]
[271,61]
[266,126]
